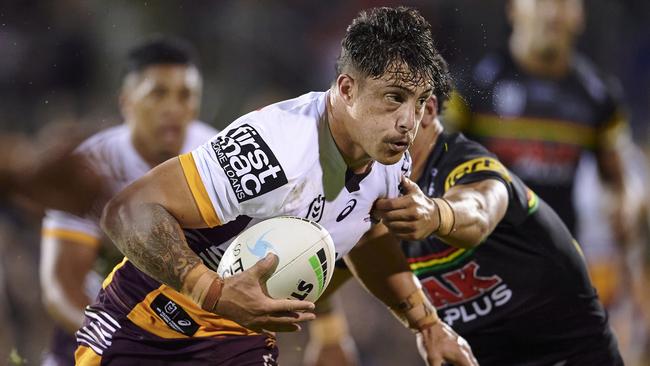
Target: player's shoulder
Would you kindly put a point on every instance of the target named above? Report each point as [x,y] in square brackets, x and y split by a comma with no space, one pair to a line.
[457,145]
[286,131]
[111,138]
[198,132]
[597,84]
[201,129]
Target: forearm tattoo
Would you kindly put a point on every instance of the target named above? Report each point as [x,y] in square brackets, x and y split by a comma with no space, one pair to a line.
[154,242]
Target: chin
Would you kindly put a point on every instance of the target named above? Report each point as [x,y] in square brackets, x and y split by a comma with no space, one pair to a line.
[390,159]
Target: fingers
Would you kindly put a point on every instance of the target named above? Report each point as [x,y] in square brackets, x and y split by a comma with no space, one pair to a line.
[408,189]
[281,321]
[408,186]
[434,360]
[390,204]
[277,306]
[265,267]
[407,214]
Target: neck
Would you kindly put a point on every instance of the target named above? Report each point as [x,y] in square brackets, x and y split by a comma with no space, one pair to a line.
[150,158]
[555,64]
[423,146]
[355,158]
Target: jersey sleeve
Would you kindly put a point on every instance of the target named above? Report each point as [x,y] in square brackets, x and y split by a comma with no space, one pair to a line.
[614,126]
[65,226]
[612,119]
[238,173]
[469,162]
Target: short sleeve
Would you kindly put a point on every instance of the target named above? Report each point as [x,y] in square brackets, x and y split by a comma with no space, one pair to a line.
[237,173]
[477,169]
[65,226]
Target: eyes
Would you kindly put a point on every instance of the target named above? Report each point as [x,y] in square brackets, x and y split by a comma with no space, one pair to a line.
[160,92]
[395,98]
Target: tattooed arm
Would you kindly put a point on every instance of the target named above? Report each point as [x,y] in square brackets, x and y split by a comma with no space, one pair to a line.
[144,221]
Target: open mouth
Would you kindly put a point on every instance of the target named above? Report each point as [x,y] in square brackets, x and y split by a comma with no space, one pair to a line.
[399,146]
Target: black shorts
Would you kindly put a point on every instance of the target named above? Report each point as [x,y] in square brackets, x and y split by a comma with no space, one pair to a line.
[600,350]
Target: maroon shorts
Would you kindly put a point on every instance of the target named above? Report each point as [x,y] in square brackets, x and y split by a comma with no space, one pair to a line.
[131,345]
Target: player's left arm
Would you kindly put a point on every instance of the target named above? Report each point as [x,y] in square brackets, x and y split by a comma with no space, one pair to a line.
[464,217]
[613,145]
[379,264]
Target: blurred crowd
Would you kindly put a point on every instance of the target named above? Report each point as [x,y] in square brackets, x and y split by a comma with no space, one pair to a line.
[62,64]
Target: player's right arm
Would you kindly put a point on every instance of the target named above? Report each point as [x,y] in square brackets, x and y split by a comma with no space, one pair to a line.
[144,221]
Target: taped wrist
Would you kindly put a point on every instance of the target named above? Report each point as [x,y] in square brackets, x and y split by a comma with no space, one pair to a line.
[203,286]
[416,312]
[446,217]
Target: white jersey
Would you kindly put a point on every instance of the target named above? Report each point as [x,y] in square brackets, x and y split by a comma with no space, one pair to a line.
[282,160]
[112,153]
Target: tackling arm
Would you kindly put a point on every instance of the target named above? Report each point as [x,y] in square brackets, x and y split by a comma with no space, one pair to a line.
[379,263]
[465,216]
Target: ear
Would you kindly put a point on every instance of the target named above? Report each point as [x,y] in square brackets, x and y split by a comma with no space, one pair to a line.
[430,112]
[345,86]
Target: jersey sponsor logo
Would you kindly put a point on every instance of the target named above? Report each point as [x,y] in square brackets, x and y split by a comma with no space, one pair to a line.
[476,165]
[464,295]
[347,210]
[173,315]
[250,165]
[316,208]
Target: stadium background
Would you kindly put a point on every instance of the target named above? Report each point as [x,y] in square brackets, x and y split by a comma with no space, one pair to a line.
[60,61]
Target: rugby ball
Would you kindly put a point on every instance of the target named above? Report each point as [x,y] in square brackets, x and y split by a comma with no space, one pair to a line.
[305,251]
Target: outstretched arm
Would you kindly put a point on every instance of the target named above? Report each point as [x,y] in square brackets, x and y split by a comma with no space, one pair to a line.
[144,221]
[379,263]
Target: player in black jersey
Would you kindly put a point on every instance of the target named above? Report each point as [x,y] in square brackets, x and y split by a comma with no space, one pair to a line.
[542,107]
[497,262]
[539,105]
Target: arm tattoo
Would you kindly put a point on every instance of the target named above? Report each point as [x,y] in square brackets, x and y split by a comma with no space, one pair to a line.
[153,240]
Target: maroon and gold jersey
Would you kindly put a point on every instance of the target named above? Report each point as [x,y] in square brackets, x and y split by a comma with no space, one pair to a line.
[279,160]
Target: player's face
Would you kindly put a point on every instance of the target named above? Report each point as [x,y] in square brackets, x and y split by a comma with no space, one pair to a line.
[386,114]
[158,103]
[549,26]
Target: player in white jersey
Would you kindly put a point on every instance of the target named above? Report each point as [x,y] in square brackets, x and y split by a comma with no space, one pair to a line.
[325,156]
[160,99]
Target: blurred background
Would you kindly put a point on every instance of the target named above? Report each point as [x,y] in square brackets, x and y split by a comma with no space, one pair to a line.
[61,61]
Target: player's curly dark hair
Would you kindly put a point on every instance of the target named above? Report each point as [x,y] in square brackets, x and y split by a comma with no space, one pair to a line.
[159,49]
[379,40]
